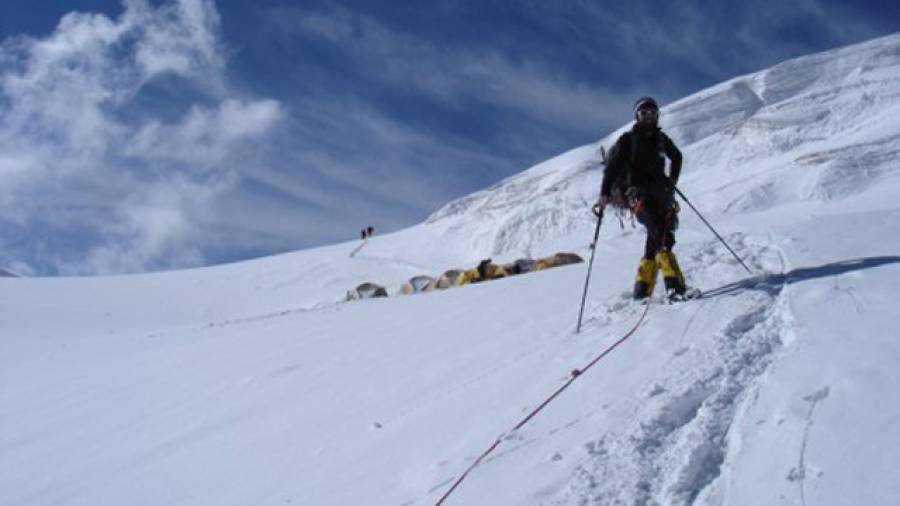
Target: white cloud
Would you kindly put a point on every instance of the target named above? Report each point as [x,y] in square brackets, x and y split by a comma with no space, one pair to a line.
[205,138]
[178,37]
[152,227]
[77,148]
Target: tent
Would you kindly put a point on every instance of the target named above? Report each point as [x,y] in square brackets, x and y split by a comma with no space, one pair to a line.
[555,261]
[416,284]
[366,291]
[445,280]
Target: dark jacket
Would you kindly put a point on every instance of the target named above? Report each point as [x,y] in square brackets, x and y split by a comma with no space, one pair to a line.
[637,160]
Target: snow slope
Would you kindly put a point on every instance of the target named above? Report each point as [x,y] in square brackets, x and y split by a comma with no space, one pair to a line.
[252,383]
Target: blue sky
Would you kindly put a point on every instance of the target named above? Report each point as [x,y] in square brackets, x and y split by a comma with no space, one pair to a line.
[146,135]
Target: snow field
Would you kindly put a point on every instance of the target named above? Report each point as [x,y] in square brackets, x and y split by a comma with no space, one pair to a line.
[252,383]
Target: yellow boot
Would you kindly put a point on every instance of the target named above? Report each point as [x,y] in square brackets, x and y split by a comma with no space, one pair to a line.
[672,276]
[646,278]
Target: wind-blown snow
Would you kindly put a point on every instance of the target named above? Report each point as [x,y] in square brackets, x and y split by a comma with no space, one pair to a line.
[252,383]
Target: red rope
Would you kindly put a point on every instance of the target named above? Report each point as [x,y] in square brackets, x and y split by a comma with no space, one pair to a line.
[575,374]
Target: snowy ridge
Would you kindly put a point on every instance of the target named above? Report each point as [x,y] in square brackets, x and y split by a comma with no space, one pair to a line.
[6,273]
[251,383]
[525,209]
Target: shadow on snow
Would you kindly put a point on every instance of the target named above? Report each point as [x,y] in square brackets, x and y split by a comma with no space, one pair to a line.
[773,283]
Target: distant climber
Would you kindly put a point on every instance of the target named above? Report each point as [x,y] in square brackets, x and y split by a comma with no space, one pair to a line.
[370,230]
[635,178]
[364,234]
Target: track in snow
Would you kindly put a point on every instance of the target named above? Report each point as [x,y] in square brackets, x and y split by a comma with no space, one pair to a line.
[673,451]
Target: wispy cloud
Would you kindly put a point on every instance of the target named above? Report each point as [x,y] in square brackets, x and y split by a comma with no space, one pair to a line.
[588,62]
[663,43]
[353,161]
[113,186]
[459,75]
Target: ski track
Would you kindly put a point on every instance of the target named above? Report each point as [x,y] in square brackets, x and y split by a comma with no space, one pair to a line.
[358,248]
[676,446]
[798,474]
[268,316]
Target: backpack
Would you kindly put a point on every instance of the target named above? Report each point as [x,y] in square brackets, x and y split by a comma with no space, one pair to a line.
[619,187]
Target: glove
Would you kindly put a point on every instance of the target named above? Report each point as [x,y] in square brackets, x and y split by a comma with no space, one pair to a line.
[600,205]
[670,185]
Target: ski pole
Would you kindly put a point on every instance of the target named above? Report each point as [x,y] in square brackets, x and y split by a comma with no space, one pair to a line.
[598,211]
[587,280]
[688,202]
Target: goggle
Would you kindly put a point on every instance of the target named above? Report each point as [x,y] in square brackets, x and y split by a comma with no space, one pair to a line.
[647,113]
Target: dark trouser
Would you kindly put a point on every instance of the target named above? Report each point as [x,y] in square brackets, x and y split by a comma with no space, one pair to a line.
[655,214]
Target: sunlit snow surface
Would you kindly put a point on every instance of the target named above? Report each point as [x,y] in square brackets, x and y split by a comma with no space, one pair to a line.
[253,383]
